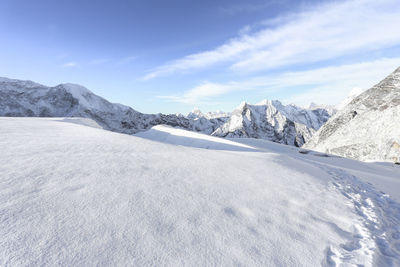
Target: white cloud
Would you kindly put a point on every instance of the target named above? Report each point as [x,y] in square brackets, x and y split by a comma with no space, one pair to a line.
[70,64]
[328,85]
[319,33]
[202,92]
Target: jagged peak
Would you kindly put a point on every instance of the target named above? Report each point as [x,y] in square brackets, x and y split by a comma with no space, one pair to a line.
[264,102]
[242,105]
[267,102]
[195,113]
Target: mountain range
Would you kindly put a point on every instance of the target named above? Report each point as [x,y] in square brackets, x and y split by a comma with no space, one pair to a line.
[269,120]
[365,128]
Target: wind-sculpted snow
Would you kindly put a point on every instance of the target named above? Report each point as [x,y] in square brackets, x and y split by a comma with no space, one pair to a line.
[368,127]
[170,135]
[271,120]
[72,194]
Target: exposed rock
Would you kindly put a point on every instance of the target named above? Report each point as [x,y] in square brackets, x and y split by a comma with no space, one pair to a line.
[368,128]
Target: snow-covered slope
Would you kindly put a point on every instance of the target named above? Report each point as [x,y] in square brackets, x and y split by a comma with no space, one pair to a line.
[171,135]
[74,195]
[368,128]
[273,121]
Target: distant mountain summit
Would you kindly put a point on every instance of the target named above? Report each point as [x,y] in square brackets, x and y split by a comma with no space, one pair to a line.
[367,128]
[273,121]
[269,120]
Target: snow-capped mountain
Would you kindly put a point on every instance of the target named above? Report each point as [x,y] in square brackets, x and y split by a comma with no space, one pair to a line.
[28,99]
[207,122]
[368,128]
[269,120]
[331,109]
[273,121]
[196,113]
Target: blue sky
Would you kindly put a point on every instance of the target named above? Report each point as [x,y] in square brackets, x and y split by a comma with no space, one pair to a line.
[172,56]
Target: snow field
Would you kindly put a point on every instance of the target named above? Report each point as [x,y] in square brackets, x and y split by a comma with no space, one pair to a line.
[82,196]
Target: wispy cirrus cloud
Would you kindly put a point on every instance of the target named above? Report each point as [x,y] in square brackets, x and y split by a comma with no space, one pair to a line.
[205,91]
[322,32]
[328,85]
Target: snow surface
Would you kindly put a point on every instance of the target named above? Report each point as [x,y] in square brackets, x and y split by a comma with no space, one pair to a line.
[171,135]
[77,195]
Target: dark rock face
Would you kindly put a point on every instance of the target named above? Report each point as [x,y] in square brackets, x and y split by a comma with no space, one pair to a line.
[368,127]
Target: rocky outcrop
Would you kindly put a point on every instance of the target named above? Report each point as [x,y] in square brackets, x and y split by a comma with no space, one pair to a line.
[368,128]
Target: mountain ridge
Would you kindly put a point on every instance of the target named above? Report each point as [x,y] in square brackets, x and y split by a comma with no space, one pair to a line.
[20,98]
[271,120]
[367,128]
